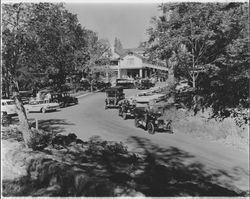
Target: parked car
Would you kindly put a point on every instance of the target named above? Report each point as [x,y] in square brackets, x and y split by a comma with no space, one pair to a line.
[101,85]
[64,99]
[151,121]
[113,96]
[83,86]
[5,118]
[125,83]
[9,107]
[126,109]
[144,84]
[26,96]
[42,106]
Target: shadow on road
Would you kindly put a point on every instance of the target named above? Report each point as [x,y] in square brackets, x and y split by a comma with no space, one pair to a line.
[52,125]
[172,172]
[100,168]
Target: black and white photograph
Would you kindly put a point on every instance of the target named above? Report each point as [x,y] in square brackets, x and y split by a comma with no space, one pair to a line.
[125,98]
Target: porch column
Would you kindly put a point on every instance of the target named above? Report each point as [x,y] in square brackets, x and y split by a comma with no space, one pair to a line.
[119,73]
[140,72]
[107,76]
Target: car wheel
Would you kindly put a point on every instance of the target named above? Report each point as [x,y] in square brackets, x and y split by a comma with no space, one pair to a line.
[43,110]
[137,123]
[150,128]
[170,127]
[124,116]
[119,112]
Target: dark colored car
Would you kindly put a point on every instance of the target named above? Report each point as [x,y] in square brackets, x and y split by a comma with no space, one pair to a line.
[5,118]
[126,110]
[83,86]
[113,96]
[64,99]
[144,84]
[26,96]
[151,121]
[101,86]
[125,83]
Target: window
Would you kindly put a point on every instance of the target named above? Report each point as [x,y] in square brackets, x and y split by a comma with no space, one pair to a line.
[10,102]
[130,61]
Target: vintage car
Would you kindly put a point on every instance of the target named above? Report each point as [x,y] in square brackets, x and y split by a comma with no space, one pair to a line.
[64,99]
[151,120]
[26,96]
[144,84]
[126,108]
[125,83]
[9,107]
[84,85]
[42,106]
[113,96]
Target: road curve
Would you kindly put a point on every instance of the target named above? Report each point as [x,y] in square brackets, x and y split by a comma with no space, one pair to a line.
[89,118]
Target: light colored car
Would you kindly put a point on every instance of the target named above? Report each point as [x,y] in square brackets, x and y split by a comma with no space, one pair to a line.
[42,106]
[9,106]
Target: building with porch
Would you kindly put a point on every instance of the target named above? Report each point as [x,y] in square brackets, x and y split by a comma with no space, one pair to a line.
[134,65]
[130,63]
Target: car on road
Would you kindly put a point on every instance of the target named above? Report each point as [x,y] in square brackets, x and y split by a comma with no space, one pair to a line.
[42,106]
[144,84]
[9,106]
[113,96]
[125,83]
[126,109]
[151,120]
[64,99]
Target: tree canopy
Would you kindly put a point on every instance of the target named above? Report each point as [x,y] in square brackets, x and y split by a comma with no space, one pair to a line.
[209,45]
[44,43]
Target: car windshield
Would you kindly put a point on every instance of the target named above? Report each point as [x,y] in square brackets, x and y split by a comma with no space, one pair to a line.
[10,102]
[33,103]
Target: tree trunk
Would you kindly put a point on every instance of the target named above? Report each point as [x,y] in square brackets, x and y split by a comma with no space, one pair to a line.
[24,125]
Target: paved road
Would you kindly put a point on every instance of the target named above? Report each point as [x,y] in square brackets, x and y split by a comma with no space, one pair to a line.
[89,118]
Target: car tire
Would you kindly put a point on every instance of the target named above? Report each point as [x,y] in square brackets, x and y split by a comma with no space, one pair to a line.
[119,112]
[124,116]
[170,127]
[150,128]
[43,110]
[137,123]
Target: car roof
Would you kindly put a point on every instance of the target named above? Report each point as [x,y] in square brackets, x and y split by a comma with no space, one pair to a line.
[7,100]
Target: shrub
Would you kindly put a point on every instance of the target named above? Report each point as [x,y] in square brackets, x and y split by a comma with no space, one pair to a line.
[39,139]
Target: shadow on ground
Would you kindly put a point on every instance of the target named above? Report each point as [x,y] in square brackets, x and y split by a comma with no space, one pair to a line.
[100,168]
[52,125]
[172,172]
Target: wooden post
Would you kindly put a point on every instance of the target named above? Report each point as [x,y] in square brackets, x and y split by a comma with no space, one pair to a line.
[37,124]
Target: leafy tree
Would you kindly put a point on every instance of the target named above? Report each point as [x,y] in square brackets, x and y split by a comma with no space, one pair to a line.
[41,42]
[118,45]
[207,44]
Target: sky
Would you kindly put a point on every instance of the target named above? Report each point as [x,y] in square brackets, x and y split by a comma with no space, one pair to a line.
[127,22]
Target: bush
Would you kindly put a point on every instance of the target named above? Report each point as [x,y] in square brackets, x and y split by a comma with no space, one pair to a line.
[39,139]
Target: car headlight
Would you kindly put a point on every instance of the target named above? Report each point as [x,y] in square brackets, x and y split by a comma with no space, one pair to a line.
[156,122]
[128,111]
